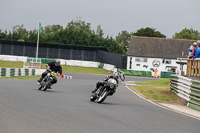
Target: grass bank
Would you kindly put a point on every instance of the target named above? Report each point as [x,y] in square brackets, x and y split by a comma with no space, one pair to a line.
[157,91]
[11,64]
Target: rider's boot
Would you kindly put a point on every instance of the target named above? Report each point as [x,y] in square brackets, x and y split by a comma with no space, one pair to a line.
[39,80]
[50,86]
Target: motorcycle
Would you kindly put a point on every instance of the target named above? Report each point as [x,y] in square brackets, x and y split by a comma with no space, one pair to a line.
[107,90]
[46,82]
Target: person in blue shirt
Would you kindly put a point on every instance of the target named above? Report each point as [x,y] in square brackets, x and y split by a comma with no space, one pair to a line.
[197,51]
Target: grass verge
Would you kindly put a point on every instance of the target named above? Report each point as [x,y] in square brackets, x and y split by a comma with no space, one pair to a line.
[89,70]
[11,64]
[160,92]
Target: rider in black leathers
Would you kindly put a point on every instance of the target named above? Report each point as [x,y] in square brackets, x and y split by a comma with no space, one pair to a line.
[99,84]
[55,67]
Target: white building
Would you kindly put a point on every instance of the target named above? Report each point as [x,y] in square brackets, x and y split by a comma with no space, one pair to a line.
[150,53]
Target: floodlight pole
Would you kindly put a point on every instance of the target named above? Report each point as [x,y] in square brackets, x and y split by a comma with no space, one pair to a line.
[37,42]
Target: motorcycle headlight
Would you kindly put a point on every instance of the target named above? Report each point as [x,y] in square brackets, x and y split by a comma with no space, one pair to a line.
[112,86]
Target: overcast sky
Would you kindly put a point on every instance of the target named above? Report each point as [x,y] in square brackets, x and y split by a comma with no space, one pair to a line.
[167,16]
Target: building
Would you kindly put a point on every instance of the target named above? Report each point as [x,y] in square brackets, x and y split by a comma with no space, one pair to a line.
[150,53]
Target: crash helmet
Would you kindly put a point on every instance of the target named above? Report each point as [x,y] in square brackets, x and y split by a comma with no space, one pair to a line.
[57,60]
[116,75]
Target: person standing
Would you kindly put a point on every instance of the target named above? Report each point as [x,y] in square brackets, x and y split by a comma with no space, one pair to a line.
[198,43]
[197,50]
[155,73]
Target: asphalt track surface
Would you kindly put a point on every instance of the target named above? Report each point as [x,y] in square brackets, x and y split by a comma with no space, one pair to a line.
[67,109]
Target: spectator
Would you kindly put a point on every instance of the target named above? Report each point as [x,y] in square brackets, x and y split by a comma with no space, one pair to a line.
[192,52]
[198,43]
[197,50]
[155,73]
[190,49]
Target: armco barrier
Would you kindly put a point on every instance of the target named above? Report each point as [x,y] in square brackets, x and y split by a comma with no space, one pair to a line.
[13,58]
[11,72]
[195,95]
[187,89]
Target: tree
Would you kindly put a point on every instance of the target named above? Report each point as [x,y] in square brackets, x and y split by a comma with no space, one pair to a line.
[123,39]
[187,34]
[149,32]
[49,29]
[77,32]
[99,31]
[19,33]
[32,36]
[3,34]
[79,24]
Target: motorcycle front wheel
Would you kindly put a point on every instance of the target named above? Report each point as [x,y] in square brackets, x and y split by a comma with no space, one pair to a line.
[93,97]
[40,87]
[103,96]
[46,85]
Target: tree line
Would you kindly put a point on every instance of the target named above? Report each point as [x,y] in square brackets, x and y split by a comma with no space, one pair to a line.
[78,32]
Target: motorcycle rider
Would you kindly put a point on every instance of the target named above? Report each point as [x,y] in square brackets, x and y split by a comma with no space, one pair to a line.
[55,67]
[99,84]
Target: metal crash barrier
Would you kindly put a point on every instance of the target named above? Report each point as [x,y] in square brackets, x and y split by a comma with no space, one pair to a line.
[187,89]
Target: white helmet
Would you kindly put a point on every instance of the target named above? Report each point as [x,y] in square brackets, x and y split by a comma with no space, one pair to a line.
[58,60]
[116,75]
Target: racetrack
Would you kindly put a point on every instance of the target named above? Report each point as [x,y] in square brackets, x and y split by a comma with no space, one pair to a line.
[67,109]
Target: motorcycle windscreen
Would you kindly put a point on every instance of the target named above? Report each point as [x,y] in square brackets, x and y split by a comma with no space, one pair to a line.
[113,81]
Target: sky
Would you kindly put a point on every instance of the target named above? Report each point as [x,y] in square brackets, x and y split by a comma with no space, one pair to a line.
[114,16]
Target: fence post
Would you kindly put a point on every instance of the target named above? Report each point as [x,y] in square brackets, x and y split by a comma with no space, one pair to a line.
[196,64]
[188,67]
[198,68]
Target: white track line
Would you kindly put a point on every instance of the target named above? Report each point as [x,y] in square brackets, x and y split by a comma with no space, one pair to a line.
[162,106]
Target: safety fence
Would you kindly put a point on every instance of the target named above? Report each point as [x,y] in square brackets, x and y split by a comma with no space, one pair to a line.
[63,51]
[11,72]
[187,89]
[193,67]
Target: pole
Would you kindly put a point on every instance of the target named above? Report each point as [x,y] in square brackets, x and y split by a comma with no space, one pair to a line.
[37,42]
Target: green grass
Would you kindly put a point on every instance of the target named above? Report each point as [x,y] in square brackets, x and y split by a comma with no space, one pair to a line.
[78,69]
[11,64]
[160,92]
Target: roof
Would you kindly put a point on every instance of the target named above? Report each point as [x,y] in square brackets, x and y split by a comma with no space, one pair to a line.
[158,47]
